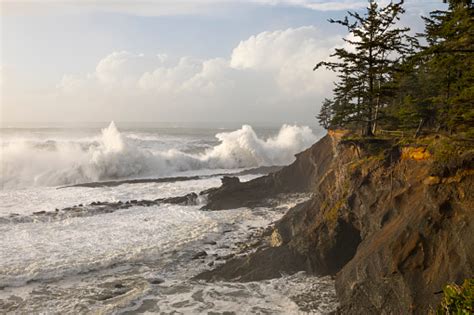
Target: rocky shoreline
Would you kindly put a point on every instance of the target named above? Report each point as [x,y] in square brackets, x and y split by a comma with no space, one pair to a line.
[382,219]
[95,208]
[262,170]
[389,224]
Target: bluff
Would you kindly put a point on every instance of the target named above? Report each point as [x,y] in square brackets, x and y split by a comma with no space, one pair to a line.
[391,222]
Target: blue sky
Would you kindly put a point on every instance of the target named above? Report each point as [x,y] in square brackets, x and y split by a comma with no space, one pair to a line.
[44,44]
[77,40]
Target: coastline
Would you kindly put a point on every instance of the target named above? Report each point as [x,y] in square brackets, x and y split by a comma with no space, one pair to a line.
[351,226]
[381,220]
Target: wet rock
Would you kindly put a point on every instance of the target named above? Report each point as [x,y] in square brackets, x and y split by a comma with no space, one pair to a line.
[156,280]
[199,255]
[186,200]
[390,237]
[265,264]
[230,180]
[300,177]
[226,257]
[145,203]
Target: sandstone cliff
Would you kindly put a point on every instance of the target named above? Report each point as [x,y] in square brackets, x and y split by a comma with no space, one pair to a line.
[391,223]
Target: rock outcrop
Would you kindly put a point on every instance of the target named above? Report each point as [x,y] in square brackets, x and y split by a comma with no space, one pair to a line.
[389,225]
[301,176]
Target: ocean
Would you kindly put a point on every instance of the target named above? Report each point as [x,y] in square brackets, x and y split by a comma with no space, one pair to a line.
[58,259]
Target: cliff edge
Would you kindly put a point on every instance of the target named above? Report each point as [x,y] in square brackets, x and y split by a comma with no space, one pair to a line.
[392,222]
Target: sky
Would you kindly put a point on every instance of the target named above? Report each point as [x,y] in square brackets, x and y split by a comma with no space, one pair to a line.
[171,60]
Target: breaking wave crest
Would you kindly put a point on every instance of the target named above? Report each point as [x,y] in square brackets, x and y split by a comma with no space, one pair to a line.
[115,156]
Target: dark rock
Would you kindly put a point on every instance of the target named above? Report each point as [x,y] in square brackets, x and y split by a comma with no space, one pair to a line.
[156,281]
[230,180]
[199,255]
[390,239]
[186,200]
[145,203]
[264,264]
[301,176]
[226,257]
[260,170]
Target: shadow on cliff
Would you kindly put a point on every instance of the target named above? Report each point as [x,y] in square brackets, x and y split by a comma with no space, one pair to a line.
[391,228]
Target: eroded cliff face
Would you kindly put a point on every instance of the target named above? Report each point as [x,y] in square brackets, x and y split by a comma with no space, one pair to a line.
[381,219]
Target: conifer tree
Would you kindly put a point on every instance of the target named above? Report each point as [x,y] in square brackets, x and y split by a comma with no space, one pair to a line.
[376,48]
[325,114]
[449,59]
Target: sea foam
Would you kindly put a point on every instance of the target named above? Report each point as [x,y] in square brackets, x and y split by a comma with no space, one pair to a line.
[113,155]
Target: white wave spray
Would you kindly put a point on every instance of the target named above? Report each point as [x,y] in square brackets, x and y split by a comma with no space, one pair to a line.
[115,156]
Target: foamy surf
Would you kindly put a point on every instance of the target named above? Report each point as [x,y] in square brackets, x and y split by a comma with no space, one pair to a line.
[114,246]
[113,155]
[141,260]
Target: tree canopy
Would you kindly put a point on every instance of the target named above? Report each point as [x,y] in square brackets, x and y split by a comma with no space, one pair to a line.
[386,78]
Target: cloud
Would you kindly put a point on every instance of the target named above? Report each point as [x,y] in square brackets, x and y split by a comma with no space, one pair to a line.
[267,77]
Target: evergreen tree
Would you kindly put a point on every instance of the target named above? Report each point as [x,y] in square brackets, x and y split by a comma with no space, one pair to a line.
[450,64]
[325,114]
[376,49]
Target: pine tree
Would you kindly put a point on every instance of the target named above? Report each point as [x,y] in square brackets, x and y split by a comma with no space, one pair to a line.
[376,49]
[450,63]
[325,114]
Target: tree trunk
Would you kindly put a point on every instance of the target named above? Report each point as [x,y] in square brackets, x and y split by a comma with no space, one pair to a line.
[418,130]
[368,129]
[377,105]
[368,132]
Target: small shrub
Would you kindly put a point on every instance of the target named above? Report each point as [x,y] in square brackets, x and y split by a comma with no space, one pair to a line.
[457,300]
[449,155]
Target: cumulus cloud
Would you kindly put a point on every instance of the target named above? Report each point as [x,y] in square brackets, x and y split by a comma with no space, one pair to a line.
[267,77]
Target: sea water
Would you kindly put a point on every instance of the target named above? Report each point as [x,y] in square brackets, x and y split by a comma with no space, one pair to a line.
[140,259]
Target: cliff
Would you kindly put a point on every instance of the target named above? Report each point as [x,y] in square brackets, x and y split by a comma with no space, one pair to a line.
[391,222]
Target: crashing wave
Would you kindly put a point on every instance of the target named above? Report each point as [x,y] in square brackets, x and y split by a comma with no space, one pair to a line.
[115,156]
